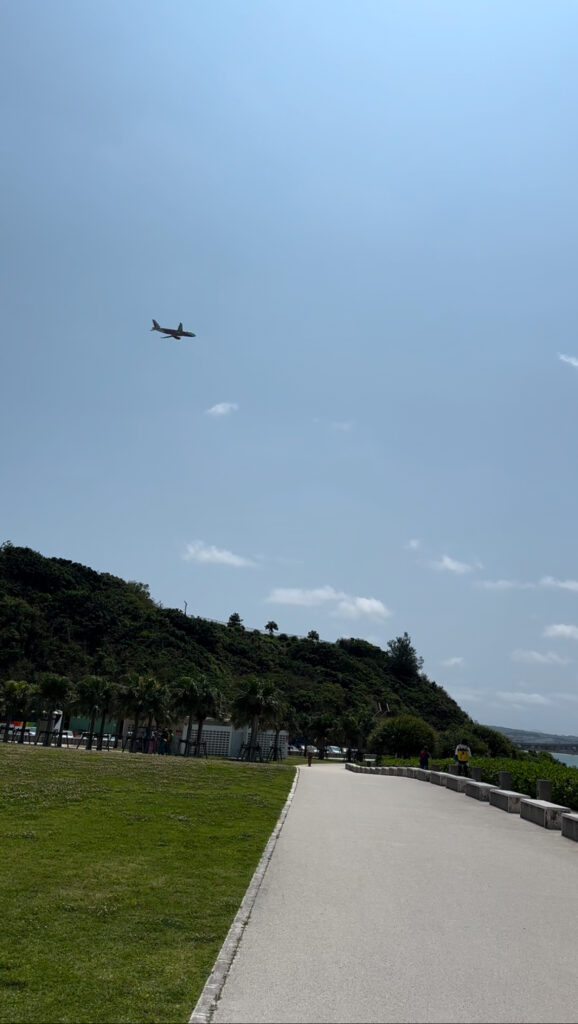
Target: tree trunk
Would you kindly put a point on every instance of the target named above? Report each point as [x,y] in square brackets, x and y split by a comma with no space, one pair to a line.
[91,729]
[7,727]
[101,729]
[119,732]
[253,739]
[48,733]
[22,730]
[148,733]
[188,736]
[134,732]
[199,736]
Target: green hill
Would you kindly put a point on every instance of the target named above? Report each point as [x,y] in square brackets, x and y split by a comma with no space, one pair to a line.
[60,616]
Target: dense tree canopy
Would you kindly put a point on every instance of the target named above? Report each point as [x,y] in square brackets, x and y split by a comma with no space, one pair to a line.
[61,618]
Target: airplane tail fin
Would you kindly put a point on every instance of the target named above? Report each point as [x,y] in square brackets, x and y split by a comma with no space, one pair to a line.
[180,327]
[156,326]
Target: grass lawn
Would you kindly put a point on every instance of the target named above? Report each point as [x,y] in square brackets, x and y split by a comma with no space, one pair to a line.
[120,876]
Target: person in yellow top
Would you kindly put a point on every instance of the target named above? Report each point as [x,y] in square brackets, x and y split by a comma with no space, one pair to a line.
[462,755]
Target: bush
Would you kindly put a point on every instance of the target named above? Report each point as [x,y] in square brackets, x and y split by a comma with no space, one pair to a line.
[404,735]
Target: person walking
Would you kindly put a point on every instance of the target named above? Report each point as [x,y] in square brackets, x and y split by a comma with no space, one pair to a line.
[310,752]
[463,754]
[424,756]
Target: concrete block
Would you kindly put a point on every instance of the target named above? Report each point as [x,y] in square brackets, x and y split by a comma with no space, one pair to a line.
[456,782]
[402,770]
[478,790]
[544,790]
[543,813]
[507,799]
[423,774]
[412,772]
[570,826]
[438,778]
[505,781]
[476,773]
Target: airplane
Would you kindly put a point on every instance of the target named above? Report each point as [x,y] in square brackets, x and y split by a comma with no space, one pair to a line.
[170,332]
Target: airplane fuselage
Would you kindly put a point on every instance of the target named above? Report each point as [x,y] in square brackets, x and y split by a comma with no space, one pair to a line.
[172,332]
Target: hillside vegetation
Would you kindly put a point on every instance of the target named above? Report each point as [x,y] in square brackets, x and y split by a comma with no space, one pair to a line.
[58,616]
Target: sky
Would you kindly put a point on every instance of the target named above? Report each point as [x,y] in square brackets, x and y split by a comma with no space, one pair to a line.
[367,213]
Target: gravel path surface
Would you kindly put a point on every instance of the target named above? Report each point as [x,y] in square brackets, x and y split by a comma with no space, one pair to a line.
[393,900]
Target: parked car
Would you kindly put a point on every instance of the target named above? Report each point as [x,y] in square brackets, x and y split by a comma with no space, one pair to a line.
[333,752]
[291,749]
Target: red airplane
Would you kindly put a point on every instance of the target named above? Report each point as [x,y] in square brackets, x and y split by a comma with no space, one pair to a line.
[169,332]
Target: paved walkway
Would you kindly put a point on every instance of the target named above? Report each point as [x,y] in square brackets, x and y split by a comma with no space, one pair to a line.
[392,900]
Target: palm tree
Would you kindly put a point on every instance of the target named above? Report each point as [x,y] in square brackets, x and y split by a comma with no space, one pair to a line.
[28,698]
[9,698]
[199,700]
[140,696]
[107,700]
[92,692]
[323,724]
[272,627]
[53,690]
[258,701]
[276,720]
[17,696]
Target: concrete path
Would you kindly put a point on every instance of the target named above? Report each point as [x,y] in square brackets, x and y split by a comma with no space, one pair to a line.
[393,900]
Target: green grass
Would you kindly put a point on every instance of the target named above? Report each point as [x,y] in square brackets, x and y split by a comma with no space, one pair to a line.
[120,877]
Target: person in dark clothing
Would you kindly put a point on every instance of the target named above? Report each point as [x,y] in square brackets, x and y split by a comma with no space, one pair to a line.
[424,756]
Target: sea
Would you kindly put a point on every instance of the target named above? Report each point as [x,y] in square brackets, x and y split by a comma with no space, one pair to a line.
[571,759]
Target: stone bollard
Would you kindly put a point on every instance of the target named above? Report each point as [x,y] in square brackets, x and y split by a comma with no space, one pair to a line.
[476,773]
[505,780]
[544,790]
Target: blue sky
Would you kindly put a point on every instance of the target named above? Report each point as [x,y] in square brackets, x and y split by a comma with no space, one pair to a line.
[367,213]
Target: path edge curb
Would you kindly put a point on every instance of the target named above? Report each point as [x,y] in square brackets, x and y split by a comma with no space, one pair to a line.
[211,993]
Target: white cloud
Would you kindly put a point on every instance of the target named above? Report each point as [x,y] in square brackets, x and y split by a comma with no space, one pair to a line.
[519,698]
[304,598]
[222,409]
[361,608]
[413,545]
[208,554]
[549,581]
[560,630]
[504,585]
[344,605]
[568,359]
[448,564]
[453,662]
[536,658]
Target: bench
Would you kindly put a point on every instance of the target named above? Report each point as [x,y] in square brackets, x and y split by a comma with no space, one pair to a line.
[456,782]
[542,812]
[369,761]
[570,826]
[507,800]
[478,790]
[438,778]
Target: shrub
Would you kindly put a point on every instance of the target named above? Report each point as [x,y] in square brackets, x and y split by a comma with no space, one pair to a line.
[404,735]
